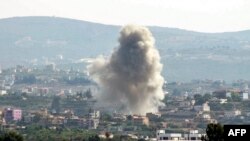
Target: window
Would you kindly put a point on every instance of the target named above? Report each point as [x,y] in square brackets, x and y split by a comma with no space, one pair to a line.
[165,138]
[193,138]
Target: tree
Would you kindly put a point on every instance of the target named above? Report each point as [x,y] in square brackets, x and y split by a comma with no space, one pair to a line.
[106,117]
[94,138]
[79,94]
[11,136]
[207,97]
[228,106]
[37,118]
[215,106]
[107,135]
[199,100]
[88,94]
[129,117]
[220,94]
[235,97]
[204,138]
[214,132]
[56,104]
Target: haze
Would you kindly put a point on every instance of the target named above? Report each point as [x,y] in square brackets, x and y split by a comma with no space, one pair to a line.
[197,15]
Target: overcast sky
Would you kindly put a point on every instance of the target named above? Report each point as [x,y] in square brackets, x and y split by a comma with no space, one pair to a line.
[197,15]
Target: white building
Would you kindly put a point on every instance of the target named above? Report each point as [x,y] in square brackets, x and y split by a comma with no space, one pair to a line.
[193,135]
[162,136]
[206,116]
[94,114]
[93,119]
[228,94]
[3,92]
[67,91]
[93,123]
[231,114]
[244,96]
[204,107]
[222,101]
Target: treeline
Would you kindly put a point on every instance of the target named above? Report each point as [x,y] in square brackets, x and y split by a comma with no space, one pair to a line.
[214,132]
[77,80]
[25,79]
[39,133]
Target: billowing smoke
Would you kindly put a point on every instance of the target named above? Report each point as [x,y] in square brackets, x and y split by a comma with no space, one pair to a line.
[130,80]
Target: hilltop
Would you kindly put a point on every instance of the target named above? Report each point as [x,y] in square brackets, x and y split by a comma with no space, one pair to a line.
[186,55]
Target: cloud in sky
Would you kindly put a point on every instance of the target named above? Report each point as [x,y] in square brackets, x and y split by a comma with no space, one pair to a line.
[198,15]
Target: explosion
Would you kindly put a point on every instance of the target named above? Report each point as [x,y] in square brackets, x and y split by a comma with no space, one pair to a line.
[130,79]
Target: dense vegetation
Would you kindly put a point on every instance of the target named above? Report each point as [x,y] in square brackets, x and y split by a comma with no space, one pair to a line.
[11,136]
[40,133]
[25,102]
[214,132]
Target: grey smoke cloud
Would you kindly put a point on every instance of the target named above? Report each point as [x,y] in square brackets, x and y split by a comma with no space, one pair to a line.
[130,79]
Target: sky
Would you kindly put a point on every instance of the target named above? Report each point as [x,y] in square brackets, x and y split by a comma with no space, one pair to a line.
[196,15]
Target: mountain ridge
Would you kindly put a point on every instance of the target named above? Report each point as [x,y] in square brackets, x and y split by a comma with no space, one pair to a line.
[186,55]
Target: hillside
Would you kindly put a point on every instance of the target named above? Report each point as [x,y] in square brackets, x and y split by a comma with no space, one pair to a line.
[186,55]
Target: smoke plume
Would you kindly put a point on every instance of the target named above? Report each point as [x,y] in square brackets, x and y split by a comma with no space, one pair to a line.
[130,79]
